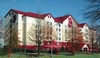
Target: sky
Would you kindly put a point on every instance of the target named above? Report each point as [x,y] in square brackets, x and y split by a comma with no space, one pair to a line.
[55,7]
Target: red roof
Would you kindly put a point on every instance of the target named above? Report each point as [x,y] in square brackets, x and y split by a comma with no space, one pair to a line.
[31,14]
[81,25]
[61,19]
[19,12]
[57,19]
[35,15]
[41,16]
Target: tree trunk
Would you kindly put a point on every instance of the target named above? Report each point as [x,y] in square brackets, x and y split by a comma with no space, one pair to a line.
[9,52]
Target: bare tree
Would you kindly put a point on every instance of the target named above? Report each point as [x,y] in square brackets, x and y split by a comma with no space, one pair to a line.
[34,35]
[76,39]
[44,31]
[13,38]
[93,11]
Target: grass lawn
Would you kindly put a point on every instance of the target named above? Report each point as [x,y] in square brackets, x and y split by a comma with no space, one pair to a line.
[74,56]
[56,56]
[4,54]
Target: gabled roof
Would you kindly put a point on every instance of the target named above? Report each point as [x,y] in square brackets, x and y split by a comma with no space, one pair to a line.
[41,16]
[81,25]
[17,11]
[61,19]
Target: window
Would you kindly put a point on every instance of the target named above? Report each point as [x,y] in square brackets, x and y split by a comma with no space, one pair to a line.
[59,29]
[65,30]
[47,22]
[50,37]
[39,31]
[10,25]
[65,26]
[56,29]
[59,25]
[50,33]
[36,26]
[80,29]
[56,24]
[59,33]
[50,23]
[86,37]
[86,34]
[56,38]
[59,38]
[49,16]
[86,30]
[47,33]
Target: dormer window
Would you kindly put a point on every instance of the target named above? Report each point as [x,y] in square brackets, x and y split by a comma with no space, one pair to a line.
[49,16]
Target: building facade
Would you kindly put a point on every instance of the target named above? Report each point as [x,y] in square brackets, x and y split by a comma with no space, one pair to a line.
[31,27]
